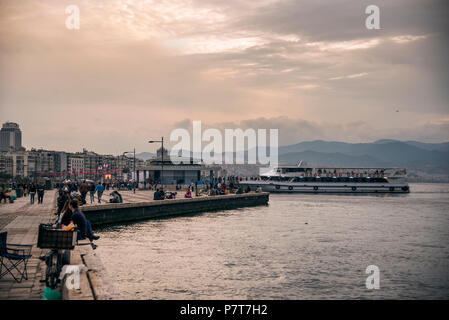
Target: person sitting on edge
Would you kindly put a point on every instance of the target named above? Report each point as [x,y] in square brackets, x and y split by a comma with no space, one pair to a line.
[116,197]
[83,226]
[161,194]
[157,195]
[188,193]
[248,189]
[62,199]
[239,190]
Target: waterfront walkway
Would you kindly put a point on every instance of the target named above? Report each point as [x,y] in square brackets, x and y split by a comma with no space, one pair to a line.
[21,220]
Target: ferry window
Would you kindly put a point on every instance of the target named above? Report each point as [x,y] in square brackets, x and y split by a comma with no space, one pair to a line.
[293,169]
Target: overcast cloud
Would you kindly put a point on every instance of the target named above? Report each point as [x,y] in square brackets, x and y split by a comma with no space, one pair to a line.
[137,69]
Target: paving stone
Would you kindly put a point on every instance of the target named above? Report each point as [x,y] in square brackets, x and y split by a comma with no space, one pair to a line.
[21,220]
[24,284]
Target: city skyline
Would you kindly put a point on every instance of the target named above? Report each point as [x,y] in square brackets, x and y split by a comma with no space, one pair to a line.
[135,70]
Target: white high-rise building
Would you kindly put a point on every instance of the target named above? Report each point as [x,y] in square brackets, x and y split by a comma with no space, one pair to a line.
[10,137]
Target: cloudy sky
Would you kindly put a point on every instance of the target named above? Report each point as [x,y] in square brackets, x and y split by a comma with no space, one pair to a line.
[137,69]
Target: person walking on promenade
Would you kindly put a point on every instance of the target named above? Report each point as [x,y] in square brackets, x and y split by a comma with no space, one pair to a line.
[32,192]
[25,189]
[99,188]
[83,190]
[92,192]
[2,193]
[40,193]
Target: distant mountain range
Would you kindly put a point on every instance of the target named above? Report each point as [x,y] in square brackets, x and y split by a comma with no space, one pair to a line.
[427,157]
[145,155]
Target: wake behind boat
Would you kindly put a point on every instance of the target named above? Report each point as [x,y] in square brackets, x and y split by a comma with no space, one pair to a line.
[306,179]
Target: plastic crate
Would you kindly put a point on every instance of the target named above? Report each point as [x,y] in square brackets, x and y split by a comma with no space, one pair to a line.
[51,238]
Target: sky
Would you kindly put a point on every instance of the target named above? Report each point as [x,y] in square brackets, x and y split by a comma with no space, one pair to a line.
[135,70]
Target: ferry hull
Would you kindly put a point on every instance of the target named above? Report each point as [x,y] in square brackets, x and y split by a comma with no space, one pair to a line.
[326,188]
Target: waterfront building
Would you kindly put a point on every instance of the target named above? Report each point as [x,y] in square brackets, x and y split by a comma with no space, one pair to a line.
[181,171]
[59,165]
[76,166]
[2,164]
[15,163]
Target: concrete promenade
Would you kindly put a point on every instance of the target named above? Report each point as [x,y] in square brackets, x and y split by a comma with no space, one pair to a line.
[21,220]
[131,197]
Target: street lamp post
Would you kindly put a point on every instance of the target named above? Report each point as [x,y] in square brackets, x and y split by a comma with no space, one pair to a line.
[162,166]
[134,168]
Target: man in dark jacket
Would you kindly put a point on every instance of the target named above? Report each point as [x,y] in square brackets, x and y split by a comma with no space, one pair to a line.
[83,190]
[79,220]
[91,189]
[32,192]
[40,193]
[157,195]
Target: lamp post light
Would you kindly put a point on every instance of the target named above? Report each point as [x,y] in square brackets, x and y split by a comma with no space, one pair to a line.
[134,167]
[162,166]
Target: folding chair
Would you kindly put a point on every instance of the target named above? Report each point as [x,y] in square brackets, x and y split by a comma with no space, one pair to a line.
[15,254]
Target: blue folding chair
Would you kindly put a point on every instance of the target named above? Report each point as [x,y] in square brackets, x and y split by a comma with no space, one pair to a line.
[15,254]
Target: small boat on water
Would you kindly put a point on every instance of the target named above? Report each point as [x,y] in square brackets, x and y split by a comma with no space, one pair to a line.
[307,179]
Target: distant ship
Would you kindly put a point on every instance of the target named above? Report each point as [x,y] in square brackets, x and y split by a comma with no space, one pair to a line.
[307,179]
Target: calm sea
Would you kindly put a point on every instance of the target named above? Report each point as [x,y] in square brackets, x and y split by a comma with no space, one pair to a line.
[297,247]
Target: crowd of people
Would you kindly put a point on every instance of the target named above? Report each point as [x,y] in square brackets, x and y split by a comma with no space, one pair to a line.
[30,189]
[80,189]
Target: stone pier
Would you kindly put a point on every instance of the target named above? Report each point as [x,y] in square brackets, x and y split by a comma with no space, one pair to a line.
[141,206]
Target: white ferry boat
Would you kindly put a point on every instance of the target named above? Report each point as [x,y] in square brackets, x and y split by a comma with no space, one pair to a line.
[305,179]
